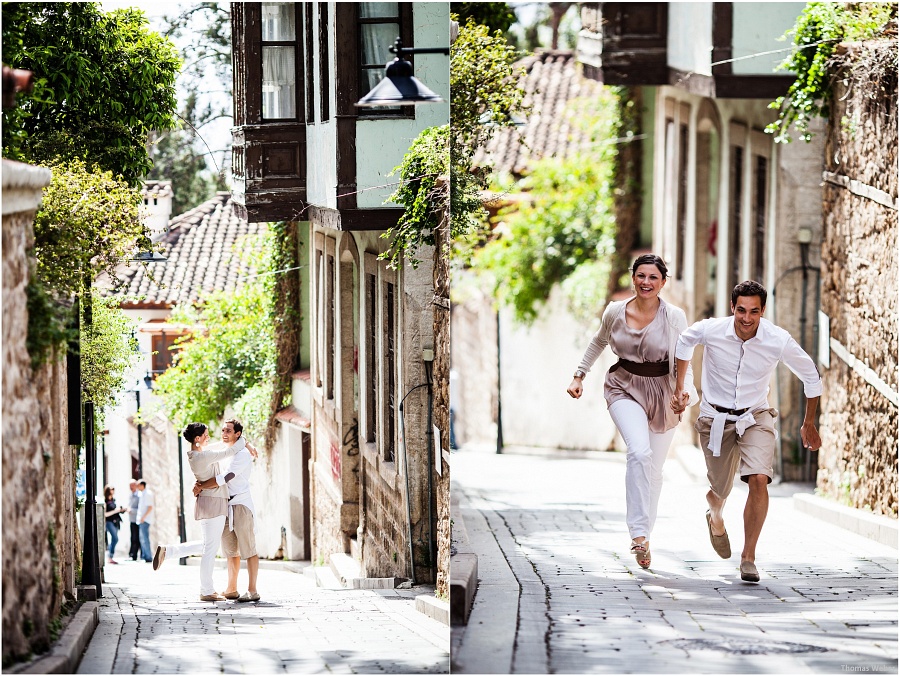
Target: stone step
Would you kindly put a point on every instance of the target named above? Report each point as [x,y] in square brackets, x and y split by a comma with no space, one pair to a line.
[348,572]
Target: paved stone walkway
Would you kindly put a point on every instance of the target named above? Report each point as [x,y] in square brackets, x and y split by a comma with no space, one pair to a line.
[151,622]
[559,591]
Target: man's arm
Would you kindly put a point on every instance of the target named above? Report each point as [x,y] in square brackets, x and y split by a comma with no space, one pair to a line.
[684,351]
[144,515]
[809,435]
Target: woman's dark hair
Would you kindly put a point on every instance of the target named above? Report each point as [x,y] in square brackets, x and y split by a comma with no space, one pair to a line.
[747,289]
[193,430]
[107,492]
[651,259]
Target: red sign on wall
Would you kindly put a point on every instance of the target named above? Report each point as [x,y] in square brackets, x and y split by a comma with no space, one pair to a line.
[335,460]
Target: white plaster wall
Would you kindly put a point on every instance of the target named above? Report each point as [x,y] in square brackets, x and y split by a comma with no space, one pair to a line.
[536,367]
[381,144]
[757,28]
[690,36]
[321,138]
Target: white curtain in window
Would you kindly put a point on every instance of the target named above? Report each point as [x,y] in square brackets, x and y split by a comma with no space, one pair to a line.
[279,83]
[371,10]
[278,21]
[377,39]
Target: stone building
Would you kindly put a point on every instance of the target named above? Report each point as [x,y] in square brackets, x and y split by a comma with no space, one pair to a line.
[858,339]
[720,202]
[40,541]
[304,152]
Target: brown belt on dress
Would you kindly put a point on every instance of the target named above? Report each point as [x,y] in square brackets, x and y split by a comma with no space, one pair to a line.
[646,369]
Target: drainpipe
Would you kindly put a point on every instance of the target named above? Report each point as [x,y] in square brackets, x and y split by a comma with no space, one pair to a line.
[428,358]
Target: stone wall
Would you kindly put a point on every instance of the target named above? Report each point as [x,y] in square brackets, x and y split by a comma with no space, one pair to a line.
[441,377]
[858,461]
[40,545]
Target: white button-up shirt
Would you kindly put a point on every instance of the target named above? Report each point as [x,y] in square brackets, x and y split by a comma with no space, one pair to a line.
[239,486]
[736,373]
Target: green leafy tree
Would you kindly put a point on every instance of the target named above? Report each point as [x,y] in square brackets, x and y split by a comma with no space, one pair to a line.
[109,351]
[562,227]
[103,82]
[819,28]
[178,158]
[88,223]
[497,16]
[485,94]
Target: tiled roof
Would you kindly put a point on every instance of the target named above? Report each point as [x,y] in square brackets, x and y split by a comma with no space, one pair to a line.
[199,248]
[552,79]
[153,188]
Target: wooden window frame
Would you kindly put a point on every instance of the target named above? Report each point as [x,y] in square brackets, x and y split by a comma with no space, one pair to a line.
[297,44]
[389,349]
[405,20]
[371,300]
[324,63]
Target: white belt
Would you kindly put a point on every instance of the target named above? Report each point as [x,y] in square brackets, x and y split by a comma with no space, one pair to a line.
[741,423]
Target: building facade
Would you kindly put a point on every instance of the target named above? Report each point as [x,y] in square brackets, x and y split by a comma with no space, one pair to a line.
[304,152]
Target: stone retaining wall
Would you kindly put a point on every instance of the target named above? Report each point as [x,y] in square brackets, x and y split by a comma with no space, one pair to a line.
[858,461]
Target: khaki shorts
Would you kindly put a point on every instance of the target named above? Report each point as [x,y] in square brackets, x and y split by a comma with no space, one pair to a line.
[241,539]
[754,452]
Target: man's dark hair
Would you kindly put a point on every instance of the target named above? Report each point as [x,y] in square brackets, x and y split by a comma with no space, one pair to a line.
[193,430]
[749,288]
[141,482]
[238,428]
[651,259]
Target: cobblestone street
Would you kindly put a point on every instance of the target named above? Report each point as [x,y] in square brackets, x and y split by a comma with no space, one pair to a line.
[152,622]
[559,591]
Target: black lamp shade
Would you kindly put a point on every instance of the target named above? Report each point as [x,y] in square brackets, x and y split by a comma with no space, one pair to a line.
[398,88]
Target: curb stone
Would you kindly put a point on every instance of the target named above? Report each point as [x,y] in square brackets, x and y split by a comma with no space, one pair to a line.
[64,656]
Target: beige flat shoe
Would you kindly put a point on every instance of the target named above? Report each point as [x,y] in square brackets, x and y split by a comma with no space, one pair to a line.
[749,573]
[720,543]
[231,596]
[212,597]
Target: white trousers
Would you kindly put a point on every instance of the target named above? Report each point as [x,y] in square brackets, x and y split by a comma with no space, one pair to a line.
[644,461]
[205,548]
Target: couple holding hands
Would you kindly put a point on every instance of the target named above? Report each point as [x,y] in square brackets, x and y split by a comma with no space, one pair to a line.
[224,509]
[651,385]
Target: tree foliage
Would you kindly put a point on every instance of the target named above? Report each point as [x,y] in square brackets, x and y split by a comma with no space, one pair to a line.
[109,351]
[103,81]
[485,94]
[230,360]
[87,224]
[819,28]
[497,16]
[563,225]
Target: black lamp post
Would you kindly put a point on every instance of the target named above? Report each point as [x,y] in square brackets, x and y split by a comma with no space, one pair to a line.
[148,385]
[399,87]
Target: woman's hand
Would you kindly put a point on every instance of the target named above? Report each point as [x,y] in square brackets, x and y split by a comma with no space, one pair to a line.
[575,389]
[252,449]
[680,401]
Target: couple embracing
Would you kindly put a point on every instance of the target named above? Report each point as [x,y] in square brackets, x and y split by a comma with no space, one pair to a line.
[648,389]
[224,509]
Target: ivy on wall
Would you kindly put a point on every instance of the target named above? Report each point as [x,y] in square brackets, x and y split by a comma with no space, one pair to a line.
[819,29]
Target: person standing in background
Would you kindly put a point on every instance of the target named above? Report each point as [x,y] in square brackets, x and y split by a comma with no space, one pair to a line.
[145,518]
[133,501]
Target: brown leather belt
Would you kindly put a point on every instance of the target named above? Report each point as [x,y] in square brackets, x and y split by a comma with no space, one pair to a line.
[730,411]
[646,369]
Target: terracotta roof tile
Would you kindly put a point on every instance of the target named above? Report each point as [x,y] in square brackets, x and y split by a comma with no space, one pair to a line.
[199,248]
[552,79]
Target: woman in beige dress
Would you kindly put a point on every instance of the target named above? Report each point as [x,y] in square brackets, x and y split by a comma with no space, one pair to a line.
[641,332]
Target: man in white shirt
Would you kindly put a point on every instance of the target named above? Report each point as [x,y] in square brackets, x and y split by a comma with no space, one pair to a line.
[238,538]
[736,424]
[144,519]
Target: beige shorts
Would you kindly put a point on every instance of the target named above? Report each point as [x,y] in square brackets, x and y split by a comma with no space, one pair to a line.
[241,539]
[753,453]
